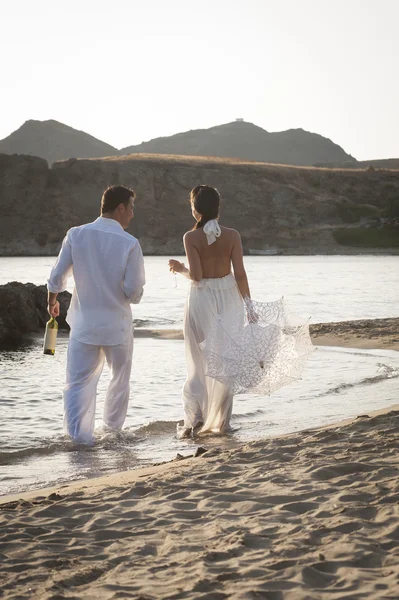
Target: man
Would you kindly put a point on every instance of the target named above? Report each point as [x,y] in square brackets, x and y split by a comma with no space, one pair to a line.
[108,268]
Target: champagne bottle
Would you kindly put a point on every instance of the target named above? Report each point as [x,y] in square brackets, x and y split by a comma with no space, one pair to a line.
[50,337]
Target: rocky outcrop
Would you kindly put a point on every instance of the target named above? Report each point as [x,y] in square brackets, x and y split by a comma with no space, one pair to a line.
[23,311]
[293,209]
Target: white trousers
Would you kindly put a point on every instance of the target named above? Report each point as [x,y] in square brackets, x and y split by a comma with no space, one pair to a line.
[84,367]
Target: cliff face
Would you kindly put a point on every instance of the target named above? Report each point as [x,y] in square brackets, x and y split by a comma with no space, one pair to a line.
[294,209]
[23,181]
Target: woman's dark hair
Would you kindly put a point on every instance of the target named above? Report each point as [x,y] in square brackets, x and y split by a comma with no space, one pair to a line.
[114,196]
[205,200]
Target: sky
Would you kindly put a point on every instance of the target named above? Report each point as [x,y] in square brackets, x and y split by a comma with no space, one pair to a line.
[127,71]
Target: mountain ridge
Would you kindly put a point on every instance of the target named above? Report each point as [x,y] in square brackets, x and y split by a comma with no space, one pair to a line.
[56,141]
[53,140]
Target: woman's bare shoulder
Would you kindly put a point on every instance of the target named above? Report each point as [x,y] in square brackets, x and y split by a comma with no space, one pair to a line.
[192,235]
[233,233]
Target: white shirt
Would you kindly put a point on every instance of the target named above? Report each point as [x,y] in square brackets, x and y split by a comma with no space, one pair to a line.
[108,267]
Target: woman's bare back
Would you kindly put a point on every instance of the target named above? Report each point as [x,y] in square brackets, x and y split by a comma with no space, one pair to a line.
[215,258]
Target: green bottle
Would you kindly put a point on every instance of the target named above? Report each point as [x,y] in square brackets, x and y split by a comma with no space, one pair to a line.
[50,337]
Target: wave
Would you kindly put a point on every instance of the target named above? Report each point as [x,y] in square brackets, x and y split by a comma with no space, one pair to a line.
[153,322]
[385,372]
[158,428]
[248,415]
[104,440]
[43,448]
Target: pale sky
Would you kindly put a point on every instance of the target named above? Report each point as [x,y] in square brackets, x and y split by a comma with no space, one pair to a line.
[127,71]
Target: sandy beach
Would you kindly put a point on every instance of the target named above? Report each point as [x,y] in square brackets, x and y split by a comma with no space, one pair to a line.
[310,515]
[364,333]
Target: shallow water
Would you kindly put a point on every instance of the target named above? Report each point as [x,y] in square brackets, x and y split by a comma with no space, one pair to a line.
[337,383]
[324,288]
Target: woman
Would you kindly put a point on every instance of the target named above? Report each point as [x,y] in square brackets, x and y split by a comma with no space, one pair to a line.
[210,250]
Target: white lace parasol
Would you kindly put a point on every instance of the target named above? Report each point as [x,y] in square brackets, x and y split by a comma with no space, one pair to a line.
[257,350]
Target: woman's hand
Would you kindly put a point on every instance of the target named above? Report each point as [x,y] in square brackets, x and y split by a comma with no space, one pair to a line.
[175,266]
[252,316]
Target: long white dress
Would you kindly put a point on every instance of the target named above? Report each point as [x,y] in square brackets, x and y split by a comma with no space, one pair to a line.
[206,400]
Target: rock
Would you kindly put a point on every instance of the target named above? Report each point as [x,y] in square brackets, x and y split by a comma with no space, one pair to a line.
[54,496]
[200,451]
[23,311]
[180,456]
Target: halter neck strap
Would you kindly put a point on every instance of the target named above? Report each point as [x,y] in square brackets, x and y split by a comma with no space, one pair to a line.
[212,231]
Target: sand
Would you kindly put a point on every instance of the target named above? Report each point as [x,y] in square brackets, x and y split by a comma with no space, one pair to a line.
[365,333]
[310,515]
[307,516]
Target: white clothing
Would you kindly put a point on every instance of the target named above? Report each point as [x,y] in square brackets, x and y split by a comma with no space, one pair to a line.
[212,231]
[84,366]
[108,267]
[204,399]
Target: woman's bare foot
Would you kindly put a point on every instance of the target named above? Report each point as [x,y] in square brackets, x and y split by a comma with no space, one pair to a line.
[183,432]
[197,428]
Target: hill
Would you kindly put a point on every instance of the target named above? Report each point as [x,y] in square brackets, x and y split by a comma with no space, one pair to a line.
[246,141]
[296,210]
[54,141]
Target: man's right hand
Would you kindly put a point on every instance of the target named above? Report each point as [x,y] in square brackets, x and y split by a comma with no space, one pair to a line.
[54,310]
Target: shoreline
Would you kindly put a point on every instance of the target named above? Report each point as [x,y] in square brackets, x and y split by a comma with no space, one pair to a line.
[128,477]
[369,334]
[307,515]
[362,251]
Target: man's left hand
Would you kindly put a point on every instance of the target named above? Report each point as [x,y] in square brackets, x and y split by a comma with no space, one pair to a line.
[54,309]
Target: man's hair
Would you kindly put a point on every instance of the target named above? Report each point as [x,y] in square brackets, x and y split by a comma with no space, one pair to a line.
[114,196]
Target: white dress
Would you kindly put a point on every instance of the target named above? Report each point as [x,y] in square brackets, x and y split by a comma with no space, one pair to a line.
[206,400]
